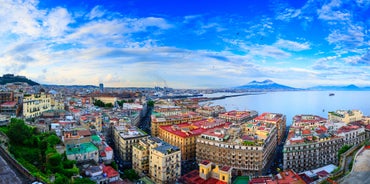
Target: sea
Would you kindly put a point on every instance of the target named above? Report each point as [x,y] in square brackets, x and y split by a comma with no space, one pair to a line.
[291,103]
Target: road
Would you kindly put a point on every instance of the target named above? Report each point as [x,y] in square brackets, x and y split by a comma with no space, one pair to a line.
[361,169]
[8,174]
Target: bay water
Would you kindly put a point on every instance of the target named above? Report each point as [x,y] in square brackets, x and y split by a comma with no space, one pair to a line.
[291,103]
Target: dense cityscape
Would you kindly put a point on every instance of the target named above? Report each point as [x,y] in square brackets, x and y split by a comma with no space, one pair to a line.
[184,92]
[95,134]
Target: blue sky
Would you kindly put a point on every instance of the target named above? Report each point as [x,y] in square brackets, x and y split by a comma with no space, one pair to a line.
[186,43]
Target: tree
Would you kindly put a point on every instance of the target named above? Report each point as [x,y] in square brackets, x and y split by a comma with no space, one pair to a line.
[53,140]
[343,149]
[83,181]
[99,103]
[110,105]
[131,174]
[151,103]
[18,132]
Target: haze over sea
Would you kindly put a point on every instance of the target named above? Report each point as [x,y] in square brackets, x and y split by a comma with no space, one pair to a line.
[292,103]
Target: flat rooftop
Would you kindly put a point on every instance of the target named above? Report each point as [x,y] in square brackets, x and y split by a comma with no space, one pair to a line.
[83,148]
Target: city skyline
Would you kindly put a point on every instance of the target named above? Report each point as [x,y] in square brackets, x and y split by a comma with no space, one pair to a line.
[187,44]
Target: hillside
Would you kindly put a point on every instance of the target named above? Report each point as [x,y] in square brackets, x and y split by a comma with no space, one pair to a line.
[10,78]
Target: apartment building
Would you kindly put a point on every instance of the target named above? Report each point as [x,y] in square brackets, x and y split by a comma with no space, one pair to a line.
[34,105]
[313,142]
[307,121]
[247,148]
[275,118]
[165,163]
[156,158]
[238,116]
[124,138]
[184,135]
[346,116]
[160,119]
[352,134]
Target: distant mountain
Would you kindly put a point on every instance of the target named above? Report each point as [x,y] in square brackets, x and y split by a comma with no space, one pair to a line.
[339,88]
[10,78]
[70,86]
[266,85]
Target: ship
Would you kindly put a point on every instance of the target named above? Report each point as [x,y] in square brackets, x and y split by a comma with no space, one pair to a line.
[331,94]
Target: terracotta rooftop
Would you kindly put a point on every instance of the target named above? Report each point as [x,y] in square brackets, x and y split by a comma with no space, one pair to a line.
[194,178]
[110,171]
[193,129]
[8,104]
[266,116]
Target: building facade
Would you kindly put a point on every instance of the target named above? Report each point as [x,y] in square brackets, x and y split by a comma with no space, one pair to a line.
[247,148]
[238,116]
[185,135]
[124,138]
[34,105]
[165,163]
[275,118]
[161,119]
[314,142]
[346,116]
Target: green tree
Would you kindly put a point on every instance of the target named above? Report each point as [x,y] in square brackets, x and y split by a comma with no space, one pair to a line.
[99,103]
[18,132]
[131,174]
[83,181]
[53,140]
[110,105]
[151,103]
[343,149]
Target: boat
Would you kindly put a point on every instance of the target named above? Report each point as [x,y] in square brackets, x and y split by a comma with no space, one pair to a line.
[331,94]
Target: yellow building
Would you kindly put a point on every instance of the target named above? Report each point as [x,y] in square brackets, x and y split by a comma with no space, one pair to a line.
[57,104]
[160,119]
[34,105]
[207,170]
[165,163]
[142,156]
[278,119]
[345,116]
[185,135]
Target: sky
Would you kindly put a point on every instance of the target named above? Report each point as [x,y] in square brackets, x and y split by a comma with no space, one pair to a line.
[186,43]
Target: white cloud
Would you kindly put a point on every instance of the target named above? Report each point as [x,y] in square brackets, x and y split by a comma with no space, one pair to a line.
[268,51]
[21,18]
[292,45]
[333,12]
[57,21]
[96,12]
[288,14]
[348,39]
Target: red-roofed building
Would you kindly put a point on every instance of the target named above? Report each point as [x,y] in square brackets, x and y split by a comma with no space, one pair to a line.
[306,132]
[184,135]
[9,108]
[111,173]
[284,177]
[352,134]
